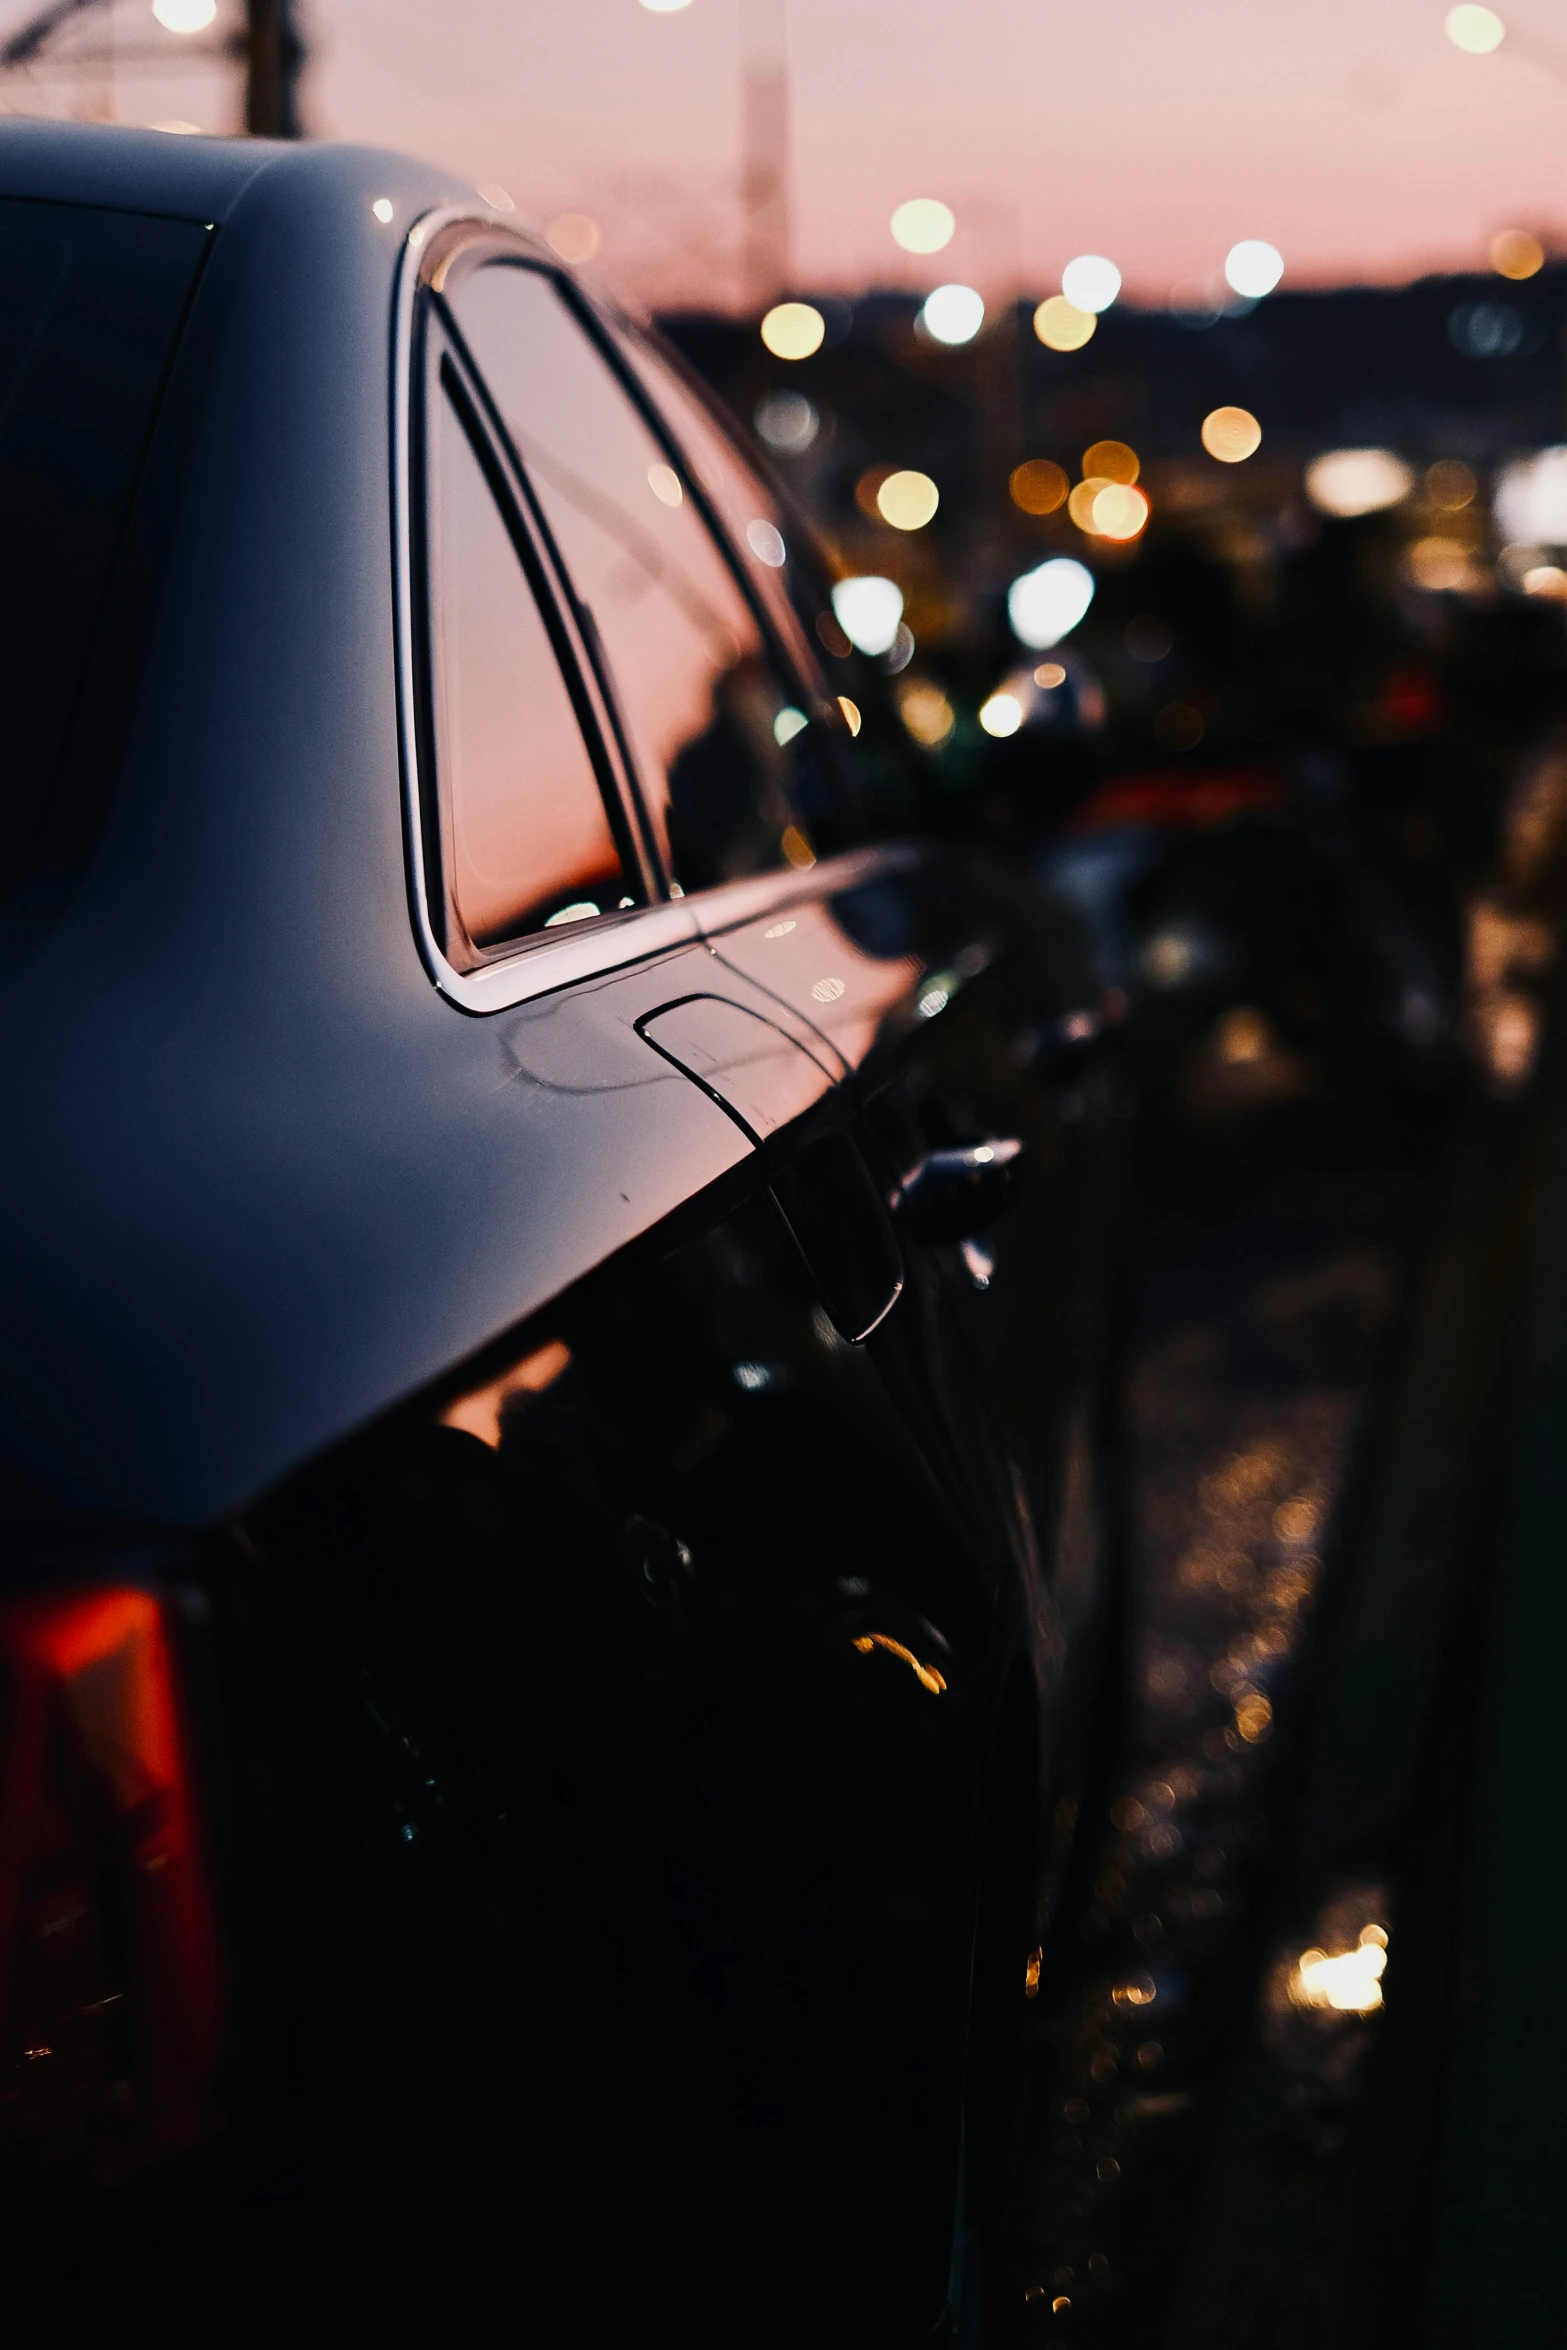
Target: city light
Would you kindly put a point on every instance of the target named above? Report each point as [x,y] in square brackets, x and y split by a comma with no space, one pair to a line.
[1531,499]
[926,712]
[1091,282]
[575,236]
[1038,486]
[1231,435]
[1047,603]
[1348,1980]
[1253,268]
[1357,481]
[1516,254]
[1119,511]
[1061,326]
[793,330]
[184,16]
[923,225]
[787,422]
[953,314]
[1080,505]
[1112,461]
[1478,30]
[907,500]
[766,543]
[1001,715]
[1450,485]
[868,610]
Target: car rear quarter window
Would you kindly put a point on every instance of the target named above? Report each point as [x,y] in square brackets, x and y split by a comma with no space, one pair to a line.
[756,523]
[716,726]
[91,306]
[526,837]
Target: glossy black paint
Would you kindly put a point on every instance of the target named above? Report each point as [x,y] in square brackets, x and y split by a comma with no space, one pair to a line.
[650,1567]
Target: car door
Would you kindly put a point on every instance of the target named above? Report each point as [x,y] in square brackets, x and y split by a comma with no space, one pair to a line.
[620,1804]
[963,1009]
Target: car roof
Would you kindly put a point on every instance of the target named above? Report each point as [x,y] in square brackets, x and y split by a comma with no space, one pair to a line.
[183,176]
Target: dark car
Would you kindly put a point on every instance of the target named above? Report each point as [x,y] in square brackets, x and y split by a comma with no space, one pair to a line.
[552,1460]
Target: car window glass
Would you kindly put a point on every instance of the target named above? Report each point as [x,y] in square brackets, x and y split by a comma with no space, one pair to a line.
[715,732]
[756,523]
[527,838]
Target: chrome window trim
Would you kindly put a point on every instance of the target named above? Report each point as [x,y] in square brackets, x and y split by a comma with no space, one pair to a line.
[538,965]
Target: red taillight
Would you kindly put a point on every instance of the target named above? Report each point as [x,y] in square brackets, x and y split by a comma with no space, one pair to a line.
[110,1991]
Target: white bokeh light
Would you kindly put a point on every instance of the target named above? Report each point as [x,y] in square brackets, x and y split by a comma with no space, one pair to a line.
[953,314]
[868,610]
[1357,481]
[923,225]
[1478,30]
[1091,282]
[1253,268]
[1047,603]
[1531,499]
[184,16]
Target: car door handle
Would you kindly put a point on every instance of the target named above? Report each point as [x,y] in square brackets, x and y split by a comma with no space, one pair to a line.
[952,1194]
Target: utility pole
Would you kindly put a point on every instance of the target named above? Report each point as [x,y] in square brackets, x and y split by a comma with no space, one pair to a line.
[274,58]
[764,150]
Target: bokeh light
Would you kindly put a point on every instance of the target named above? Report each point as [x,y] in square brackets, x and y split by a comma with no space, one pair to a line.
[766,543]
[1061,326]
[953,314]
[1450,485]
[1038,486]
[1091,282]
[184,16]
[1119,511]
[1047,603]
[1478,30]
[787,422]
[1531,499]
[1253,268]
[1080,505]
[1441,566]
[793,330]
[1112,461]
[923,225]
[665,7]
[908,500]
[1357,481]
[575,236]
[1516,254]
[926,712]
[868,610]
[1001,715]
[1348,1980]
[1231,435]
[664,482]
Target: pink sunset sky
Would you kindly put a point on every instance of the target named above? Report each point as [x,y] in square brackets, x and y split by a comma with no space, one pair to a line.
[1350,133]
